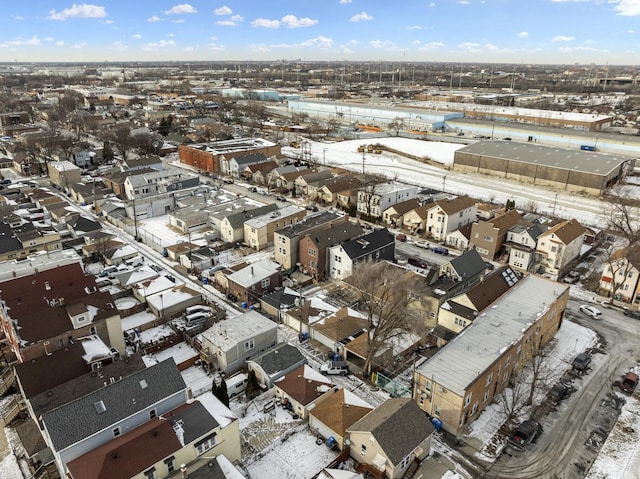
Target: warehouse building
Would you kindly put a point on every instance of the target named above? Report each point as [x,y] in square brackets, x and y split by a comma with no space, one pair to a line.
[558,168]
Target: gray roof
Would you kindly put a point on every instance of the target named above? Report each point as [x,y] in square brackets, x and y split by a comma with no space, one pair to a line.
[468,264]
[336,234]
[250,159]
[369,243]
[398,425]
[465,358]
[552,157]
[279,358]
[196,421]
[236,220]
[255,273]
[312,221]
[79,419]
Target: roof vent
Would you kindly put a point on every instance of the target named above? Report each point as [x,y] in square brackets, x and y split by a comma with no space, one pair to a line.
[143,383]
[100,407]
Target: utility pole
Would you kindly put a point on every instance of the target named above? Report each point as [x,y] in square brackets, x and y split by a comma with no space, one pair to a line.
[363,153]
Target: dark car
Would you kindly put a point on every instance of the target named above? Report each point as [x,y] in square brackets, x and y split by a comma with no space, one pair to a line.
[629,382]
[313,208]
[632,314]
[5,181]
[581,362]
[526,433]
[440,250]
[559,391]
[401,237]
[489,266]
[418,262]
[281,198]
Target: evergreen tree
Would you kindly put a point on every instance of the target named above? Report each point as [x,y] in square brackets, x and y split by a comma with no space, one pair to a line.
[223,395]
[253,388]
[107,152]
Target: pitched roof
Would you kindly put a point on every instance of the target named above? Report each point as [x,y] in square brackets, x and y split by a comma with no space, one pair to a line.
[309,222]
[369,243]
[468,264]
[249,159]
[405,206]
[278,358]
[454,205]
[120,399]
[316,176]
[342,184]
[492,286]
[398,425]
[567,231]
[340,325]
[341,410]
[263,166]
[304,385]
[505,221]
[336,234]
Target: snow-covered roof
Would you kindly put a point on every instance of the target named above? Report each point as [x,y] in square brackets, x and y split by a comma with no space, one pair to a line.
[166,299]
[221,413]
[227,333]
[255,272]
[94,349]
[272,217]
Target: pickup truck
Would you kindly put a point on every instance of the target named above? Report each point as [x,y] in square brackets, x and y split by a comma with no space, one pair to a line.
[335,367]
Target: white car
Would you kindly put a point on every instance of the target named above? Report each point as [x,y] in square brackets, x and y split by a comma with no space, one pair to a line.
[592,311]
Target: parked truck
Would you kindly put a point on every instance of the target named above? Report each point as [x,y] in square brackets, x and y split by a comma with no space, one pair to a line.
[335,367]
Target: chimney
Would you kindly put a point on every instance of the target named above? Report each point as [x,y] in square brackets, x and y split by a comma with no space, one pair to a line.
[46,348]
[252,271]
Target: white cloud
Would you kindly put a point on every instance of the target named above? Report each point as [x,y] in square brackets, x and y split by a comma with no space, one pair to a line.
[260,48]
[232,21]
[432,4]
[470,47]
[59,43]
[136,36]
[22,42]
[463,2]
[180,9]
[181,20]
[361,17]
[265,23]
[432,46]
[224,10]
[49,39]
[215,46]
[291,21]
[386,44]
[353,42]
[563,38]
[345,1]
[79,46]
[153,19]
[119,46]
[17,17]
[82,10]
[414,27]
[171,35]
[523,34]
[569,1]
[628,8]
[160,44]
[318,42]
[631,32]
[108,22]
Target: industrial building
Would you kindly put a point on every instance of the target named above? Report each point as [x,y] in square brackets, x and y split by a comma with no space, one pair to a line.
[558,168]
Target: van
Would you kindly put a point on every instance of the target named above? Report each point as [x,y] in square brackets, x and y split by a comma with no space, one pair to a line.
[198,317]
[103,281]
[107,271]
[135,262]
[198,308]
[236,384]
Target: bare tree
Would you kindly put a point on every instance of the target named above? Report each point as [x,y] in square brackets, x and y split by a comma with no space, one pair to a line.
[122,139]
[367,195]
[388,295]
[514,398]
[396,125]
[623,216]
[619,263]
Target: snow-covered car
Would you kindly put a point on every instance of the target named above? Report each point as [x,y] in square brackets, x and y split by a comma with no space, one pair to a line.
[525,434]
[572,278]
[592,311]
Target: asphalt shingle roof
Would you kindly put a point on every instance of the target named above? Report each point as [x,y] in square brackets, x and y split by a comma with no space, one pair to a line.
[368,243]
[278,358]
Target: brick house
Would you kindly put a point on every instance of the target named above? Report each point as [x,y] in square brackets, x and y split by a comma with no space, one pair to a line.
[313,248]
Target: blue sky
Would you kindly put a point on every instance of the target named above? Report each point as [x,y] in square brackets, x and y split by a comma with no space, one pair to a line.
[513,31]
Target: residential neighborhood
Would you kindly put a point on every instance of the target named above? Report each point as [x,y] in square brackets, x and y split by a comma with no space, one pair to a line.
[203,279]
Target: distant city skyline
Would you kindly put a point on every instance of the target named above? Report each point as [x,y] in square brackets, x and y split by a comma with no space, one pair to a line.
[482,31]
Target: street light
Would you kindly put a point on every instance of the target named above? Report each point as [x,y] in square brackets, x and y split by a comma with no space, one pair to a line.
[555,201]
[444,179]
[324,156]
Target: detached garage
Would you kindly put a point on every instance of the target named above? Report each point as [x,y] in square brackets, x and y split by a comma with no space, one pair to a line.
[559,168]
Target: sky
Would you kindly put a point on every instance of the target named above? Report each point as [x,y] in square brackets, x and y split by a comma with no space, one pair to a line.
[482,31]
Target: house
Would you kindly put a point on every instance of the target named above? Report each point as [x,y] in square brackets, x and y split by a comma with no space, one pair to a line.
[153,162]
[390,438]
[115,179]
[522,239]
[330,193]
[620,276]
[458,312]
[415,221]
[374,199]
[228,344]
[274,303]
[300,388]
[259,230]
[232,226]
[302,182]
[376,246]
[48,310]
[313,248]
[445,216]
[255,280]
[287,239]
[235,165]
[559,246]
[487,236]
[258,173]
[63,174]
[103,415]
[169,303]
[335,412]
[394,215]
[457,383]
[275,362]
[338,329]
[163,445]
[20,238]
[191,218]
[459,239]
[153,183]
[305,313]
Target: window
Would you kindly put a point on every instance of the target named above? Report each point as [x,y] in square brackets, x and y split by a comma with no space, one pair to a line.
[437,410]
[474,409]
[363,449]
[489,378]
[170,462]
[93,331]
[116,432]
[508,360]
[283,240]
[338,259]
[152,414]
[81,319]
[265,283]
[486,395]
[248,345]
[312,252]
[467,399]
[150,473]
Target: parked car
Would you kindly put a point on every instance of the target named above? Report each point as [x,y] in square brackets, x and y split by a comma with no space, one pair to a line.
[560,390]
[629,382]
[592,311]
[253,189]
[281,198]
[401,237]
[418,262]
[312,208]
[632,314]
[5,181]
[335,367]
[572,278]
[525,434]
[489,266]
[581,362]
[228,181]
[440,250]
